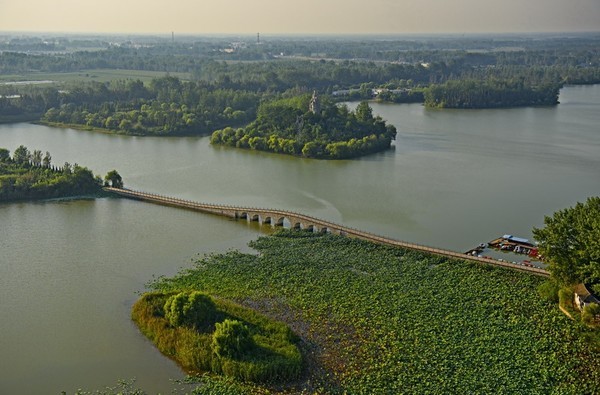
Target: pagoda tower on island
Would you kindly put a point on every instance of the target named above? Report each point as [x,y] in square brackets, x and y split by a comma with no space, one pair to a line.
[315,105]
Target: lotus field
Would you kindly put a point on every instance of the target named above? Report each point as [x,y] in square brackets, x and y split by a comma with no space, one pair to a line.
[382,320]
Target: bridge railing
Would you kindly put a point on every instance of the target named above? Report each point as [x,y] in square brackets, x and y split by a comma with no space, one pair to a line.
[327,224]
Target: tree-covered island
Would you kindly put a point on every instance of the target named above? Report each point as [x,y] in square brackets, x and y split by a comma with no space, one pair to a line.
[311,127]
[206,334]
[491,93]
[28,175]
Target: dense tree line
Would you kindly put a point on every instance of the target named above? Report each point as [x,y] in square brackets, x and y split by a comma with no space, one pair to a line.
[489,94]
[28,104]
[349,62]
[493,72]
[155,53]
[31,175]
[291,126]
[167,106]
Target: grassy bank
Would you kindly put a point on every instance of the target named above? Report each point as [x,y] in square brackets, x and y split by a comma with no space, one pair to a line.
[77,127]
[375,319]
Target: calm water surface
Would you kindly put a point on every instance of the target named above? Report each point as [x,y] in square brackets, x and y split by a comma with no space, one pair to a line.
[69,270]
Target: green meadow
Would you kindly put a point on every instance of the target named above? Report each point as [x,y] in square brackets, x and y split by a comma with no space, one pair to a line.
[99,75]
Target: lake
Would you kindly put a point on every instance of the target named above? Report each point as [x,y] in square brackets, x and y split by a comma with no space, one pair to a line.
[70,270]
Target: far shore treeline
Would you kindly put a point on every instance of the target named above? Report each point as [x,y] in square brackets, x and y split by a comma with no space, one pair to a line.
[225,86]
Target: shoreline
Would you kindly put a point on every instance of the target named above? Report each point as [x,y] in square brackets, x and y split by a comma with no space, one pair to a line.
[86,128]
[97,195]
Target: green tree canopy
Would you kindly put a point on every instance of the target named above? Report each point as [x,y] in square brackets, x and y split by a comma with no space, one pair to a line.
[570,242]
[193,309]
[24,177]
[363,112]
[4,155]
[231,339]
[21,155]
[288,126]
[114,179]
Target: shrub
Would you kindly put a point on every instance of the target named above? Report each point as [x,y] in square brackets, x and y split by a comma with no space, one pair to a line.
[193,309]
[231,339]
[565,297]
[549,290]
[590,312]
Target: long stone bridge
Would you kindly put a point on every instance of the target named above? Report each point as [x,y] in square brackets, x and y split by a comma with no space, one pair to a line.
[300,221]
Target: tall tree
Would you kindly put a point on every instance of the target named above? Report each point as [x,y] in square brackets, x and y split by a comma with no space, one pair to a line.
[36,158]
[363,112]
[47,159]
[570,242]
[113,179]
[4,155]
[21,155]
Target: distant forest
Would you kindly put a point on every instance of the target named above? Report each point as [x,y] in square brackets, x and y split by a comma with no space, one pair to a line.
[229,79]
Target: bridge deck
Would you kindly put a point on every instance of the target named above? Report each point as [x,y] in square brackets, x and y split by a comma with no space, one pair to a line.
[276,218]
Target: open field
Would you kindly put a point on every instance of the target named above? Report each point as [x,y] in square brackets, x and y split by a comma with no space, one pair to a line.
[100,75]
[377,319]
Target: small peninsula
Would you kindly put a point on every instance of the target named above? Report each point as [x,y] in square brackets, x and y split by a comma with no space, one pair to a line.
[31,175]
[311,127]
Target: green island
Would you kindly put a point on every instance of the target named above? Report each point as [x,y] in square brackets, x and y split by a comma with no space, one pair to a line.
[31,175]
[312,128]
[376,319]
[470,93]
[206,334]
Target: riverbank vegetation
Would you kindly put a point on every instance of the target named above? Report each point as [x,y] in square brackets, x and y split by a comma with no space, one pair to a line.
[31,175]
[312,128]
[569,244]
[376,319]
[205,334]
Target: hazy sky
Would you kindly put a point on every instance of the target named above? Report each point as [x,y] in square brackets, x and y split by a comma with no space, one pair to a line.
[296,17]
